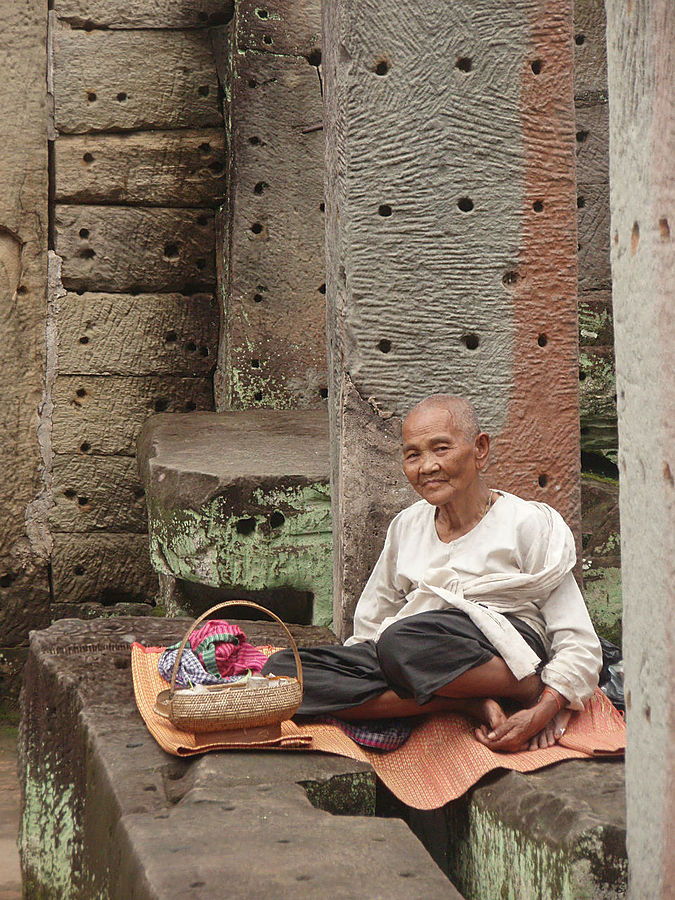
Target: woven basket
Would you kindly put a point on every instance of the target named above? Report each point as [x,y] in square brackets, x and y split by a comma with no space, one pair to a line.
[229,706]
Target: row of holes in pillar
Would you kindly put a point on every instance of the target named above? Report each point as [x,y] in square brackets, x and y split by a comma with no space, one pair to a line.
[202,91]
[84,503]
[464,204]
[471,341]
[159,404]
[205,150]
[463,63]
[259,297]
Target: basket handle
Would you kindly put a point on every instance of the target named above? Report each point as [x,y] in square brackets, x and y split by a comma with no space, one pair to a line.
[179,655]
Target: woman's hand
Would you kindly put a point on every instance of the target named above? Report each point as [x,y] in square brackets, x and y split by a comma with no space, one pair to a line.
[534,728]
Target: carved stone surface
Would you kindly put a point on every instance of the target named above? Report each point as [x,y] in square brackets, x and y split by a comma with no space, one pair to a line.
[451,250]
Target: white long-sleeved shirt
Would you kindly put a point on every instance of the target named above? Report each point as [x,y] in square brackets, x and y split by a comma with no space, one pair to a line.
[517,559]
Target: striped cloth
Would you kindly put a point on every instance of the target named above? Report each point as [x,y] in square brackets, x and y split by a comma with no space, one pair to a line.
[216,653]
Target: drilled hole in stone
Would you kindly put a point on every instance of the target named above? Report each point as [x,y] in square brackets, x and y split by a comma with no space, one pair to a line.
[283,841]
[470,341]
[582,375]
[203,90]
[314,58]
[83,501]
[542,340]
[81,392]
[385,210]
[91,97]
[88,158]
[465,204]
[536,66]
[258,396]
[254,140]
[262,13]
[245,526]
[464,64]
[203,17]
[197,884]
[121,97]
[381,67]
[255,363]
[190,406]
[252,83]
[538,206]
[202,220]
[161,405]
[256,228]
[22,289]
[88,26]
[509,278]
[84,339]
[260,187]
[277,519]
[322,207]
[258,298]
[87,253]
[216,168]
[543,480]
[634,238]
[581,136]
[323,393]
[171,251]
[139,493]
[204,351]
[664,229]
[303,877]
[191,346]
[579,39]
[170,337]
[85,447]
[384,346]
[205,147]
[322,288]
[200,263]
[79,570]
[267,39]
[150,787]
[84,233]
[69,494]
[581,202]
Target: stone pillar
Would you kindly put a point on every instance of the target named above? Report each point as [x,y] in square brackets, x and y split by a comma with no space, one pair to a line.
[451,247]
[24,539]
[273,345]
[641,72]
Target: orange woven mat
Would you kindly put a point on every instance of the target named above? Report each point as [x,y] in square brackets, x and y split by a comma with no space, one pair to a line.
[439,762]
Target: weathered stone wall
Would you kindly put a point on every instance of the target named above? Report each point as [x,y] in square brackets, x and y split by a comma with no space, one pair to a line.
[24,539]
[273,344]
[641,69]
[137,170]
[451,247]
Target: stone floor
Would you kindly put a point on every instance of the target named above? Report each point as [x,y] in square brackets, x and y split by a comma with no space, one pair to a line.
[10,871]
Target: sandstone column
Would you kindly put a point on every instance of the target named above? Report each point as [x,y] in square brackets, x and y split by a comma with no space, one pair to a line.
[24,542]
[641,73]
[451,247]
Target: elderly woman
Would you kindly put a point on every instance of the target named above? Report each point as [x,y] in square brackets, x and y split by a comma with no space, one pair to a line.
[471,602]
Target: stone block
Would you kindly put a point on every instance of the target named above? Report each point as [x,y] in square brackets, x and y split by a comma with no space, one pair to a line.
[273,343]
[149,14]
[106,414]
[135,249]
[285,29]
[155,168]
[105,809]
[592,137]
[107,80]
[451,251]
[590,50]
[145,334]
[593,233]
[241,500]
[597,398]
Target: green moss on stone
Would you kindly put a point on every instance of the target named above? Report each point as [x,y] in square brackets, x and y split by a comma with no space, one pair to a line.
[278,538]
[602,592]
[352,794]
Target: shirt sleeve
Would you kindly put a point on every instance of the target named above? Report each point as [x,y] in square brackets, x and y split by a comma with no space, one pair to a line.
[576,654]
[382,596]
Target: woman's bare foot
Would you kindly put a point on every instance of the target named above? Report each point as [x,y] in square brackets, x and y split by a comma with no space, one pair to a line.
[488,712]
[551,733]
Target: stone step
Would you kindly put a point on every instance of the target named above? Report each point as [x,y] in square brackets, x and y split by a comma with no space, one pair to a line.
[107,813]
[240,502]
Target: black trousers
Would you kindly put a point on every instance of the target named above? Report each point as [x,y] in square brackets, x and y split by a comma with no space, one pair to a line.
[413,657]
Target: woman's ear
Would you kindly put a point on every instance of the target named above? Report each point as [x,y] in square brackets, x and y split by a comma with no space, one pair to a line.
[481,449]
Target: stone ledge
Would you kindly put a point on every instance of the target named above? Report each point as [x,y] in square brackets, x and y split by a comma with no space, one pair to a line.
[106,813]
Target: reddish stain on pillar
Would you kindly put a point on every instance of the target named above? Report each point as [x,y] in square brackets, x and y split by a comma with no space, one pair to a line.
[536,455]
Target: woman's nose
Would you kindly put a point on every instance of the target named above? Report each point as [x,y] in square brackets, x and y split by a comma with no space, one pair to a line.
[429,463]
